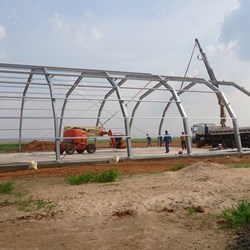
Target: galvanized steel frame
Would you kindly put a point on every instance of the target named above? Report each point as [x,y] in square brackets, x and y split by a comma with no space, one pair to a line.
[116,80]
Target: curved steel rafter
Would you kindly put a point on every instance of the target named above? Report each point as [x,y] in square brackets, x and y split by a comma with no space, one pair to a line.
[55,115]
[181,111]
[105,99]
[163,82]
[169,103]
[124,113]
[76,83]
[139,102]
[22,108]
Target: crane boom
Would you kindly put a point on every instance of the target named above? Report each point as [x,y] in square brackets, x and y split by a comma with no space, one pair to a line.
[214,82]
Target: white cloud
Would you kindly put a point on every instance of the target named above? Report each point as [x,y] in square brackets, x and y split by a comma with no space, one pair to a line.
[2,32]
[85,36]
[223,47]
[81,33]
[236,28]
[96,33]
[59,24]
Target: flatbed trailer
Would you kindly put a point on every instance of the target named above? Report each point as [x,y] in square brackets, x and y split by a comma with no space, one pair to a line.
[215,136]
[226,137]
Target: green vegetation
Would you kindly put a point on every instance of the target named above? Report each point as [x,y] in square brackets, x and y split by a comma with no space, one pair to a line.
[6,187]
[106,176]
[178,166]
[191,210]
[34,205]
[6,147]
[237,215]
[24,205]
[240,165]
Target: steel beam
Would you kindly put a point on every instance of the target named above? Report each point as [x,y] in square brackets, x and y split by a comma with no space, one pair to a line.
[124,113]
[55,116]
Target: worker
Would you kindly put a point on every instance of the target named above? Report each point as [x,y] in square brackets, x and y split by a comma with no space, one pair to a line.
[167,139]
[183,141]
[149,139]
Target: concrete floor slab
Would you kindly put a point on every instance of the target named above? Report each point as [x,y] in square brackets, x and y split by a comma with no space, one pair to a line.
[100,155]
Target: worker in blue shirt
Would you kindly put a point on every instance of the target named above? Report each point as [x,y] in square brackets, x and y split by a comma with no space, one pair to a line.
[167,140]
[149,139]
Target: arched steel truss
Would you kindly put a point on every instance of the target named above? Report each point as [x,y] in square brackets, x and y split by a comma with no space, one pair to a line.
[13,74]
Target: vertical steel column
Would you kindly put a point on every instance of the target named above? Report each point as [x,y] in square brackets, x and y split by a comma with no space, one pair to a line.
[124,113]
[231,113]
[55,116]
[22,108]
[182,113]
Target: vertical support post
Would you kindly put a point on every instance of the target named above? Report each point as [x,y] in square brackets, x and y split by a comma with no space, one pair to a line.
[237,135]
[124,113]
[231,113]
[182,113]
[186,129]
[55,116]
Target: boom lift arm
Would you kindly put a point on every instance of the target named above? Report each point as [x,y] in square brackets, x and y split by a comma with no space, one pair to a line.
[214,82]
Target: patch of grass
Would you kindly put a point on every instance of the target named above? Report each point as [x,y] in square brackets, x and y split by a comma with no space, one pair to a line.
[6,187]
[191,210]
[81,178]
[20,194]
[240,165]
[8,147]
[238,214]
[106,176]
[178,166]
[34,205]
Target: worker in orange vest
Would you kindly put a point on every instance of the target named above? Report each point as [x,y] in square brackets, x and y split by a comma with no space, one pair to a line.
[183,141]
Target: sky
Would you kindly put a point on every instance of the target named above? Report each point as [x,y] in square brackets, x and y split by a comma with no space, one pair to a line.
[133,35]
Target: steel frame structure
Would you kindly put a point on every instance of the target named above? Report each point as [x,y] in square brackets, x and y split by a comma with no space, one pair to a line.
[53,79]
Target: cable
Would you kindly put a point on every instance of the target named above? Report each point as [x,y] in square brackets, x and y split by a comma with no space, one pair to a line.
[188,64]
[128,103]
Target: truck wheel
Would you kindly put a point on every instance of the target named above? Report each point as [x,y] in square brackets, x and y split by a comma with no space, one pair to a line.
[91,148]
[198,143]
[80,151]
[70,149]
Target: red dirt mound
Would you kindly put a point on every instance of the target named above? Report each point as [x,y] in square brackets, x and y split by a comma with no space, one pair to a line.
[38,146]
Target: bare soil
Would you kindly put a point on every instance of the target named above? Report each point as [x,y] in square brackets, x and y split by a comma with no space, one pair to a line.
[148,207]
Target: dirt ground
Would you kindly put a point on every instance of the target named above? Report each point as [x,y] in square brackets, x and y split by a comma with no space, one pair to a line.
[148,207]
